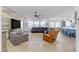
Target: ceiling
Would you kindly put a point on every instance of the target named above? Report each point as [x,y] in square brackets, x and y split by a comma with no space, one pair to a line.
[49,11]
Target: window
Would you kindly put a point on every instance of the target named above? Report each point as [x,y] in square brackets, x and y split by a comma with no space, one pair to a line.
[43,24]
[57,24]
[36,23]
[54,24]
[68,24]
[51,24]
[30,24]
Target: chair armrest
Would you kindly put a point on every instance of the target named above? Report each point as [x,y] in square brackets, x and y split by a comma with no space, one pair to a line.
[46,36]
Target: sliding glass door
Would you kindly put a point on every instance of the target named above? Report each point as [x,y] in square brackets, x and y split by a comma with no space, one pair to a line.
[43,24]
[54,24]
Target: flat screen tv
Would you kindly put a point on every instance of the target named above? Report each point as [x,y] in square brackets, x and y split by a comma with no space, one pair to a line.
[15,24]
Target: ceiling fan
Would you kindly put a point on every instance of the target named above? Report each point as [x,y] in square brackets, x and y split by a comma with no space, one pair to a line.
[36,15]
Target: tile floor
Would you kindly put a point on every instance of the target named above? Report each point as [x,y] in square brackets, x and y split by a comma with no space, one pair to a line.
[36,44]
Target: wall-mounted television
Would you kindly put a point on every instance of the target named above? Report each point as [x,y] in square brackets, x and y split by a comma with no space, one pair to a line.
[15,24]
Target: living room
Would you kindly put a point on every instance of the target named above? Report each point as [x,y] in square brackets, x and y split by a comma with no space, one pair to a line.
[27,28]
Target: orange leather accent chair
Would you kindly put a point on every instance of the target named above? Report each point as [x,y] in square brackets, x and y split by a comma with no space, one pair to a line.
[51,36]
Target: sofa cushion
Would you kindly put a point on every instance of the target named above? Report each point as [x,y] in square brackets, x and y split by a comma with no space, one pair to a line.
[38,29]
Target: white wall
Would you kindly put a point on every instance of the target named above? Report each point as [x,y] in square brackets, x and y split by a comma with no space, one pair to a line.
[0,31]
[77,32]
[45,11]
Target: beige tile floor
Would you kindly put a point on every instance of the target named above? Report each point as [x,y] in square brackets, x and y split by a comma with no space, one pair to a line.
[36,44]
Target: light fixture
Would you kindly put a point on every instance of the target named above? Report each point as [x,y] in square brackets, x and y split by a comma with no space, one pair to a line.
[37,15]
